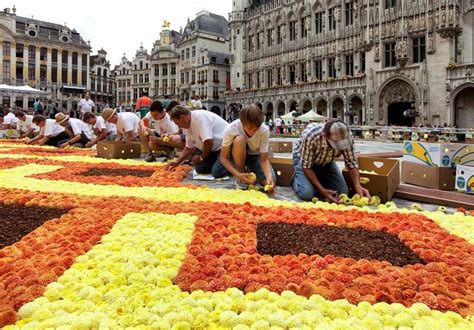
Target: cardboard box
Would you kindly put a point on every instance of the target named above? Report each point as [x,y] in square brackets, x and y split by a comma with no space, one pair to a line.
[438,154]
[118,150]
[441,178]
[465,179]
[386,180]
[284,169]
[281,146]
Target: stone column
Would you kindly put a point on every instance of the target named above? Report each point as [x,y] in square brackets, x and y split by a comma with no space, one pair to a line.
[49,66]
[12,63]
[25,63]
[60,68]
[69,68]
[37,64]
[79,70]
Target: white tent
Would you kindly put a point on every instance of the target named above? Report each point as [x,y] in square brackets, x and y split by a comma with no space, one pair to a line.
[311,116]
[288,118]
[21,90]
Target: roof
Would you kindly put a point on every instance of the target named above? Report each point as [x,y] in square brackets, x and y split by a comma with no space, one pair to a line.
[220,57]
[208,23]
[47,29]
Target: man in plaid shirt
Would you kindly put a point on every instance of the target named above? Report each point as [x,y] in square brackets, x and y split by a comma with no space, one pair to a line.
[316,172]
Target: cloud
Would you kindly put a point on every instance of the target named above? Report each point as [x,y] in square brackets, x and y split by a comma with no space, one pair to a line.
[120,27]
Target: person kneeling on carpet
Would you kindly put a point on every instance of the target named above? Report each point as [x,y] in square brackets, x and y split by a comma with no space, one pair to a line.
[245,147]
[50,132]
[102,130]
[128,124]
[159,133]
[204,131]
[80,130]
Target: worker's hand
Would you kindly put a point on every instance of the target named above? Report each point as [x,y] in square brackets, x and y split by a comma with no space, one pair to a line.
[331,195]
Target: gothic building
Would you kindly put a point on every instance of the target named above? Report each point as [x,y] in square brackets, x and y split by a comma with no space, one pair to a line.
[123,78]
[389,62]
[48,56]
[102,82]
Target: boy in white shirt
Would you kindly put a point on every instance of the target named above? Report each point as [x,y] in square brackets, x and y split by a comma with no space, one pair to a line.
[128,124]
[50,132]
[81,133]
[204,131]
[245,149]
[163,136]
[9,121]
[25,125]
[101,129]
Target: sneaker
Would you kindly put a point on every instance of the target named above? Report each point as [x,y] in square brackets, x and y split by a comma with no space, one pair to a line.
[150,158]
[241,185]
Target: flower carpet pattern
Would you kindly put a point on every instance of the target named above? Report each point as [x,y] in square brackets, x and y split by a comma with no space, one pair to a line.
[119,252]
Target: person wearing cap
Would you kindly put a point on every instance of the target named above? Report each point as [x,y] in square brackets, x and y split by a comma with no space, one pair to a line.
[50,132]
[204,132]
[316,172]
[128,124]
[25,125]
[81,133]
[163,136]
[143,104]
[101,129]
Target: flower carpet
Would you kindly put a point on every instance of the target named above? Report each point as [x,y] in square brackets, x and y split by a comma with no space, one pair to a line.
[88,243]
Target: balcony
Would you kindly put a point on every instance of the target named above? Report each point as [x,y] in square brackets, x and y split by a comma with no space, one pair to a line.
[309,87]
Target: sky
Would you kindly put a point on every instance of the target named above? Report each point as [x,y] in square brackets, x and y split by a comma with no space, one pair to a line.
[118,27]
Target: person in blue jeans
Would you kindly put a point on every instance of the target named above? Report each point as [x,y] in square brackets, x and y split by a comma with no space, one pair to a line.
[244,150]
[316,172]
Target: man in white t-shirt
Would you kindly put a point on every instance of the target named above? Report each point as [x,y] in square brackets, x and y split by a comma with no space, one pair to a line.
[86,105]
[81,133]
[25,125]
[9,121]
[128,124]
[245,150]
[50,132]
[278,125]
[100,128]
[204,131]
[159,133]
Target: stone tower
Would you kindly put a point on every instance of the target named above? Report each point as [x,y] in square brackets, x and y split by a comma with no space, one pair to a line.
[237,42]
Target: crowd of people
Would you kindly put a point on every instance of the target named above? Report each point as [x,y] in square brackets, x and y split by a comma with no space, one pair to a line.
[204,140]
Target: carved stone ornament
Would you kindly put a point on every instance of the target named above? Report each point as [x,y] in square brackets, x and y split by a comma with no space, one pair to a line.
[377,53]
[397,91]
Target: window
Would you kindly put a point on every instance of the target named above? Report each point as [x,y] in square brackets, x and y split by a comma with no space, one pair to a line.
[362,62]
[19,71]
[64,76]
[182,54]
[215,93]
[157,70]
[6,48]
[250,44]
[140,78]
[173,87]
[318,69]
[74,58]
[64,57]
[43,54]
[193,76]
[303,75]
[279,78]
[74,77]
[19,50]
[332,19]
[270,37]
[54,74]
[135,79]
[147,78]
[390,4]
[135,94]
[6,71]
[164,86]
[193,52]
[419,49]
[331,68]
[303,29]
[31,72]
[292,74]
[31,53]
[390,54]
[187,53]
[182,77]
[249,80]
[43,73]
[84,61]
[187,77]
[349,61]
[269,78]
[164,69]
[318,19]
[279,35]
[54,56]
[349,10]
[213,60]
[292,30]
[173,68]
[215,76]
[258,80]
[258,41]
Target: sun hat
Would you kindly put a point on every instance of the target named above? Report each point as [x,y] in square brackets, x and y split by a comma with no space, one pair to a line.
[339,136]
[108,113]
[61,118]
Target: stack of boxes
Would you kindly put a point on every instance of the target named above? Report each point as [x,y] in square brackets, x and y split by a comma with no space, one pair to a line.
[433,165]
[281,158]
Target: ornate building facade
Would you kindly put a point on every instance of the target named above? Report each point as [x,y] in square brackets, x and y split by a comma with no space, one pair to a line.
[47,56]
[204,68]
[391,62]
[140,73]
[102,81]
[123,78]
[164,62]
